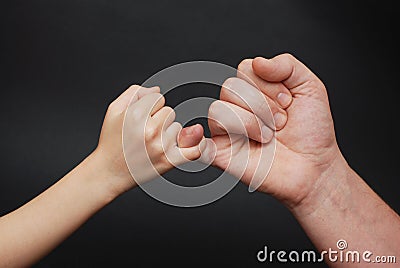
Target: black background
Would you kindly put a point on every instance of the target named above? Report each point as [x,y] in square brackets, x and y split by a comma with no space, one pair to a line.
[63,62]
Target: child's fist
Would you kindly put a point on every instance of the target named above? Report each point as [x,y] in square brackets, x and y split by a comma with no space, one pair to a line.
[139,137]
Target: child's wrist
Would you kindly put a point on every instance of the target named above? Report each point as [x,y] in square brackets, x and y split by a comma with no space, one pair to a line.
[108,185]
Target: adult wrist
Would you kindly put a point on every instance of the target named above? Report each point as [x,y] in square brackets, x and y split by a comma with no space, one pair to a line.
[331,188]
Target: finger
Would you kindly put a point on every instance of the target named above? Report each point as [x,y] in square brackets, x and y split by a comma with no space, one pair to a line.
[242,94]
[186,137]
[190,136]
[208,150]
[169,136]
[225,117]
[132,94]
[283,68]
[177,155]
[147,105]
[163,118]
[275,90]
[138,92]
[184,155]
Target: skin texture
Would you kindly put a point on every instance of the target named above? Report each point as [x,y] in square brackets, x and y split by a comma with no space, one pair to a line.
[305,146]
[309,174]
[32,231]
[153,135]
[279,101]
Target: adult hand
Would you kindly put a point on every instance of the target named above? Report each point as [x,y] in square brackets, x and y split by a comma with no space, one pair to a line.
[306,147]
[308,173]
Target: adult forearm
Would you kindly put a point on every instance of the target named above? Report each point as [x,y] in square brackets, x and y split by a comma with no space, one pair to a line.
[33,230]
[344,207]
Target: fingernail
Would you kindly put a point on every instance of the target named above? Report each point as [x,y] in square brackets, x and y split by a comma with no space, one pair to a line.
[266,134]
[284,99]
[280,120]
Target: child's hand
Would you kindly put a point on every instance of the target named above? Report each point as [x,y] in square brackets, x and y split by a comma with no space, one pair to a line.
[147,137]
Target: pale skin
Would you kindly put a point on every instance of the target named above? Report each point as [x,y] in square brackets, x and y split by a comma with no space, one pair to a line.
[32,231]
[309,173]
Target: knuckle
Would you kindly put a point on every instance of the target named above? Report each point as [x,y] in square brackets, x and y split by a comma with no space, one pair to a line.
[170,112]
[230,82]
[158,147]
[159,97]
[244,65]
[229,86]
[150,133]
[288,56]
[112,108]
[155,150]
[213,109]
[136,114]
[134,87]
[214,115]
[155,97]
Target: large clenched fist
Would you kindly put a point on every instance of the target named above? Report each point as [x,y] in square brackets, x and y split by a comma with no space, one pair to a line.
[281,104]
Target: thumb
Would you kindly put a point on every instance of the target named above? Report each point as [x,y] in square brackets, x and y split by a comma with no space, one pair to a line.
[284,68]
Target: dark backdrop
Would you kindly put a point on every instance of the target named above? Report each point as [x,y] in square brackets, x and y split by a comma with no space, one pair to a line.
[62,62]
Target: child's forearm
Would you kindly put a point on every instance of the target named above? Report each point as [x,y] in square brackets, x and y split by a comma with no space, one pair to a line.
[32,231]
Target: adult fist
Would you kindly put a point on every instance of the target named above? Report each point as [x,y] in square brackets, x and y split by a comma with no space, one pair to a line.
[304,135]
